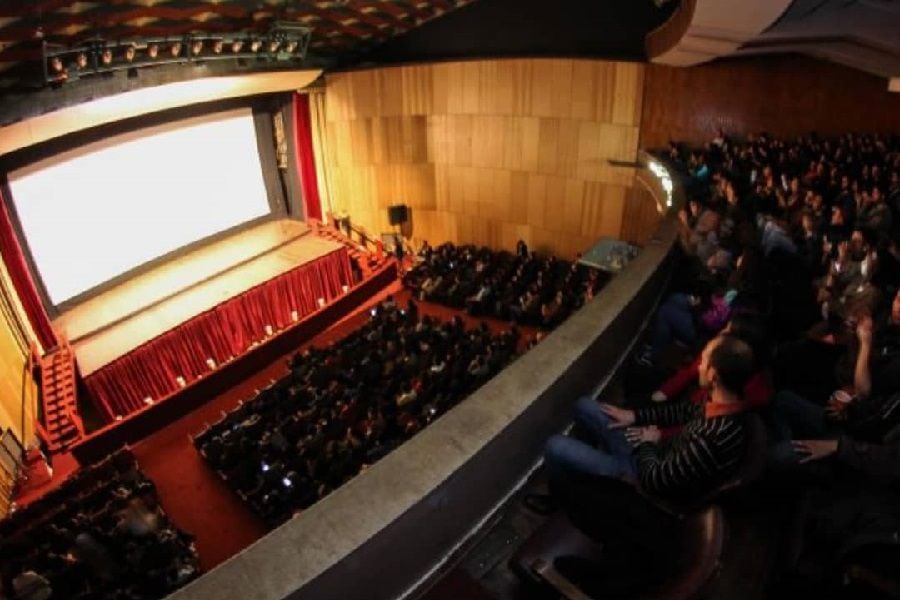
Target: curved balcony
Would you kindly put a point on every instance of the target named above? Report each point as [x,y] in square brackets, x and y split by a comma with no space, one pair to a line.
[387,531]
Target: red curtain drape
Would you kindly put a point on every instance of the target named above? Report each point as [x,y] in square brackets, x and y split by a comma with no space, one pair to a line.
[306,163]
[221,333]
[20,275]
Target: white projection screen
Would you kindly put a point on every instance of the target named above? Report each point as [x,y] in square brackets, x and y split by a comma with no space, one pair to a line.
[104,209]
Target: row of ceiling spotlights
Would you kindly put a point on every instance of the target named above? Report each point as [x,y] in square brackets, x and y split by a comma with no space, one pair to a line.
[103,54]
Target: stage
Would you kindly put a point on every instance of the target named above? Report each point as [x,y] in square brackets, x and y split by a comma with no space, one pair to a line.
[129,315]
[140,343]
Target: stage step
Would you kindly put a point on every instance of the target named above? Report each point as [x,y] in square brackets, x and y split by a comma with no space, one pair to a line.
[367,261]
[62,425]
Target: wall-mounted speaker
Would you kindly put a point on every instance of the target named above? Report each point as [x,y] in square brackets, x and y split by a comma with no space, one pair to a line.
[398,214]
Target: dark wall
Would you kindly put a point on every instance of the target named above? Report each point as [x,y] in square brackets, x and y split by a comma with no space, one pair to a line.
[612,29]
[784,95]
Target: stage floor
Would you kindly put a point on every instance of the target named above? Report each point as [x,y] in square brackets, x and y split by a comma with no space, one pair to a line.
[115,322]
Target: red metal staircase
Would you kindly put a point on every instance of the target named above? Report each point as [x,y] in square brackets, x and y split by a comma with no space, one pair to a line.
[61,426]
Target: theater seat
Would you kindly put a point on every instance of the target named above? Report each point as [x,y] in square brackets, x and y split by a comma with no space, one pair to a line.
[702,541]
[698,561]
[701,533]
[556,537]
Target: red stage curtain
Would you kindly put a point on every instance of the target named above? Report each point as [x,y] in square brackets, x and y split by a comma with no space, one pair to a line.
[221,333]
[15,263]
[306,163]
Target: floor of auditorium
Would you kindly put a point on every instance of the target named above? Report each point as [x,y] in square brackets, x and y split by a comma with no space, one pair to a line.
[193,495]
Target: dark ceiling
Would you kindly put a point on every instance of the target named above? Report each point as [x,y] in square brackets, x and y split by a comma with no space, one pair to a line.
[345,33]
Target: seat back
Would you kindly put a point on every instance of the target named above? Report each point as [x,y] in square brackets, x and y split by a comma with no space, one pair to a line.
[754,461]
[702,542]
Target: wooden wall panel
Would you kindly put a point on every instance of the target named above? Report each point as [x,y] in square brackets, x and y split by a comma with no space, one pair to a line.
[488,152]
[18,394]
[784,95]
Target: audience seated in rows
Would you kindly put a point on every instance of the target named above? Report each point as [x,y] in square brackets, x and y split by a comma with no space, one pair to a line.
[103,534]
[345,406]
[522,287]
[790,256]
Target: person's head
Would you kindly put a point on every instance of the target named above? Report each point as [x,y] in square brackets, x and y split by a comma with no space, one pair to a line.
[808,222]
[726,364]
[750,326]
[837,216]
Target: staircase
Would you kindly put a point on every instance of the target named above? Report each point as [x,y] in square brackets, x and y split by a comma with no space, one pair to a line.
[368,262]
[61,426]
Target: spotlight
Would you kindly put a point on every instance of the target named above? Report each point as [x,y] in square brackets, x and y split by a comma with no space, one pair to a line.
[106,56]
[273,46]
[130,51]
[56,64]
[175,49]
[153,50]
[236,46]
[217,46]
[255,45]
[196,47]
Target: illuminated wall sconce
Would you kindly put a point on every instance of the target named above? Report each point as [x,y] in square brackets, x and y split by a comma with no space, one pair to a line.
[210,363]
[665,180]
[269,330]
[321,302]
[346,288]
[180,381]
[148,401]
[294,316]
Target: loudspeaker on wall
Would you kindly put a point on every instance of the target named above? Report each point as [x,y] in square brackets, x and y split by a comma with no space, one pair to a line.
[398,214]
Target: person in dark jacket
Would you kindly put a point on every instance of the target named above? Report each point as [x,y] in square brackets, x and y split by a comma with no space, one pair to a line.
[849,525]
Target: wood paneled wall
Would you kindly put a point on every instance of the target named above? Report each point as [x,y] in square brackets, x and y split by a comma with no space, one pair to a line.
[784,95]
[18,393]
[488,152]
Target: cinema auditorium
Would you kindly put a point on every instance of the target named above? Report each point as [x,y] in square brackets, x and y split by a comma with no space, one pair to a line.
[449,299]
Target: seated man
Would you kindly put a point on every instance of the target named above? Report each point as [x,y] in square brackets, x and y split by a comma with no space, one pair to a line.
[708,449]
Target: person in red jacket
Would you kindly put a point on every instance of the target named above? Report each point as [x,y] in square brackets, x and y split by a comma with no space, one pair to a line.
[758,391]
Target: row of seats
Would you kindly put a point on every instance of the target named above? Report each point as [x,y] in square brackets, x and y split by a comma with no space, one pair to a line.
[101,534]
[343,407]
[540,291]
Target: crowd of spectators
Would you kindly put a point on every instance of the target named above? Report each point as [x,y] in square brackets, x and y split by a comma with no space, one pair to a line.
[540,291]
[790,285]
[344,406]
[101,535]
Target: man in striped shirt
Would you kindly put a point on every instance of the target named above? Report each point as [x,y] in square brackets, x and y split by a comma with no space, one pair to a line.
[708,449]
